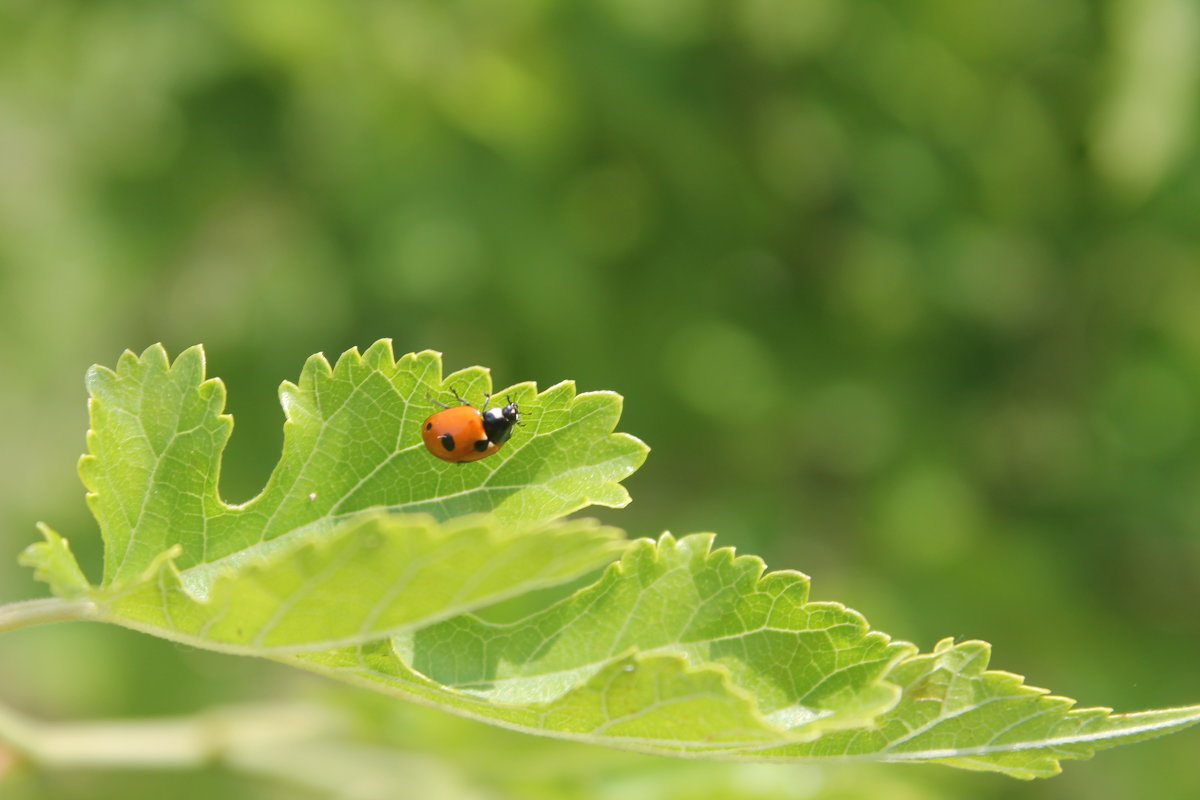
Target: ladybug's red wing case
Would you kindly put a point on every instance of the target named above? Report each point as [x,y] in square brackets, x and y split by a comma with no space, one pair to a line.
[456,434]
[463,433]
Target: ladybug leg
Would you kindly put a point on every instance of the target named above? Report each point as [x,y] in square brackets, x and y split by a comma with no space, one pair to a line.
[458,397]
[433,399]
[487,397]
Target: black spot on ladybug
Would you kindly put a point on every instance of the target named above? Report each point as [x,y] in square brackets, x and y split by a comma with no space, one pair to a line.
[481,445]
[447,441]
[428,426]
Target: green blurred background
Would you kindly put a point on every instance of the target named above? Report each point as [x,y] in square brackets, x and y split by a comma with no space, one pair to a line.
[905,295]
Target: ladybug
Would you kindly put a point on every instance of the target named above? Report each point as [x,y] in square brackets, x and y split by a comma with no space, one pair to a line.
[464,433]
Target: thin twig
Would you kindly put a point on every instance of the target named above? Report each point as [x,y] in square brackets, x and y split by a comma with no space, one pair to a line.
[172,743]
[28,613]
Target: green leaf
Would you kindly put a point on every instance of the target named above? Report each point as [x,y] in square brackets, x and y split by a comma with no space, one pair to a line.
[374,574]
[723,656]
[367,559]
[953,710]
[344,543]
[679,650]
[808,665]
[54,564]
[351,442]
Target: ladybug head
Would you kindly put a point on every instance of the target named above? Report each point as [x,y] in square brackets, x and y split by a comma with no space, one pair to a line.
[499,422]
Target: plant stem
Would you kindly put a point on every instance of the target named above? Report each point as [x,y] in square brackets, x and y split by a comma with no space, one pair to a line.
[172,743]
[28,613]
[295,744]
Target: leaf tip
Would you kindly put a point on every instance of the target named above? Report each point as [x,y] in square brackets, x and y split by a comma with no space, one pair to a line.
[156,356]
[351,357]
[190,365]
[55,565]
[98,378]
[562,393]
[380,355]
[315,366]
